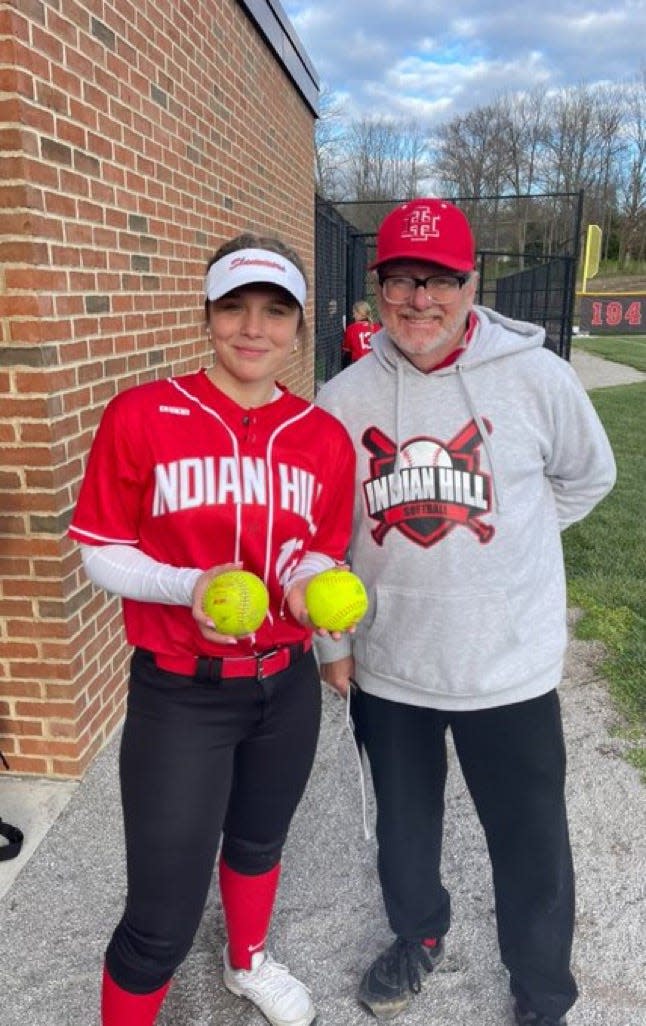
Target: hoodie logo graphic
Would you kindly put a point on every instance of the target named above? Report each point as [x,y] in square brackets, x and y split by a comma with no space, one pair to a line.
[439,486]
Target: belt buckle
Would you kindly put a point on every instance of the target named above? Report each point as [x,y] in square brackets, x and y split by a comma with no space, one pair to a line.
[260,661]
[208,669]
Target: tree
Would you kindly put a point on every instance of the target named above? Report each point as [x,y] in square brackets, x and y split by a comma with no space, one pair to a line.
[384,159]
[632,180]
[584,138]
[328,145]
[470,159]
[473,159]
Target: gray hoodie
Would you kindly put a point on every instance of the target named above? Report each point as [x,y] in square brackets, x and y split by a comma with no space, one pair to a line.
[465,478]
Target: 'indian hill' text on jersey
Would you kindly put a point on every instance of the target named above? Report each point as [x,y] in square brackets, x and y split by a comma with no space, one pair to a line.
[180,471]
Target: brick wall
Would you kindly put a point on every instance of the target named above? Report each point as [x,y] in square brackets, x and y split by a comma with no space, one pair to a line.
[134,138]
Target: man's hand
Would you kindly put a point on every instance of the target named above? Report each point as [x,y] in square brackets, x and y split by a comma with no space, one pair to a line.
[339,674]
[295,598]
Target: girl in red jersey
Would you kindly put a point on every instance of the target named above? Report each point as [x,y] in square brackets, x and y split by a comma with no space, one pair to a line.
[357,335]
[188,477]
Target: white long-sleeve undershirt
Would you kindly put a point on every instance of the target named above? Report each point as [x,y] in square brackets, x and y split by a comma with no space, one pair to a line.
[130,573]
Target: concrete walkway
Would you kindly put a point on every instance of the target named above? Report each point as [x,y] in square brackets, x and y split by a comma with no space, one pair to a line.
[60,901]
[595,372]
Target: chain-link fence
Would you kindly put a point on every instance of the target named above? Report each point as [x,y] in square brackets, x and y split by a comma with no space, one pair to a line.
[341,272]
[527,255]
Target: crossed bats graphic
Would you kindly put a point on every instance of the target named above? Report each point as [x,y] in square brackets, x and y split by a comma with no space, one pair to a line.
[463,445]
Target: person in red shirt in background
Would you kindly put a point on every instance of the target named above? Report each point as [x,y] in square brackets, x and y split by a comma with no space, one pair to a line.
[356,338]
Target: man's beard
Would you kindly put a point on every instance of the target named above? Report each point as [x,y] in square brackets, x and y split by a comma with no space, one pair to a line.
[451,332]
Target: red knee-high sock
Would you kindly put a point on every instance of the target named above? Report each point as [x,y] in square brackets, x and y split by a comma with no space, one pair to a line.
[248,902]
[122,1008]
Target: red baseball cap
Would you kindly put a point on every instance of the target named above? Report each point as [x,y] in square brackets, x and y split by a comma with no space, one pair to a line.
[427,229]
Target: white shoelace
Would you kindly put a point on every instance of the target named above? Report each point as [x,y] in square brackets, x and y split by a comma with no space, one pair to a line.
[274,979]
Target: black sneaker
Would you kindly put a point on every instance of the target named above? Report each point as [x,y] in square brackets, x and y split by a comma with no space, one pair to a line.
[529,1018]
[389,984]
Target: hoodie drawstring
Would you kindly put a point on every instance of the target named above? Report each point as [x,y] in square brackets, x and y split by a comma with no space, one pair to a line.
[349,726]
[484,434]
[399,400]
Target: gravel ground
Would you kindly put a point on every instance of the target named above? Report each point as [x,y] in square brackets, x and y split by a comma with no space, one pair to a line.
[329,923]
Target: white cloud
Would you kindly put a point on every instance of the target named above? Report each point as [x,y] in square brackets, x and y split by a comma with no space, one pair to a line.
[422,63]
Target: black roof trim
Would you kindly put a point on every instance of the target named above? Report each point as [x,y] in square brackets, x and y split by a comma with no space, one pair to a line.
[275,27]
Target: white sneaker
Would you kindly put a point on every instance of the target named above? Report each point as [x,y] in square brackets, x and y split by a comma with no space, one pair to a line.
[281,998]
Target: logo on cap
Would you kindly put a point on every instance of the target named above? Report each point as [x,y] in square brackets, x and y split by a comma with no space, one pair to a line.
[421,225]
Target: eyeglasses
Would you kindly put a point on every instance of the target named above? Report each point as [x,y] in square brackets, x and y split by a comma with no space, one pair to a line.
[442,288]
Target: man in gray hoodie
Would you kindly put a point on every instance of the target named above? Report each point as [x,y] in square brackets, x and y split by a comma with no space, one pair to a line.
[476,447]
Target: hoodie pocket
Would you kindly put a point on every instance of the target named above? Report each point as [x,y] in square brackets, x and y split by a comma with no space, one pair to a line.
[461,644]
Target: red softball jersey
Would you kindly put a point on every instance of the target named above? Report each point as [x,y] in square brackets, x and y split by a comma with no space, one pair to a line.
[182,472]
[356,338]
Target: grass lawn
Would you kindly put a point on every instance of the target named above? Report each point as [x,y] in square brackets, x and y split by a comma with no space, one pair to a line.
[628,349]
[605,559]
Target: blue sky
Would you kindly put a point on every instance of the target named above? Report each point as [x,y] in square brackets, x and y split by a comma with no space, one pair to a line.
[433,60]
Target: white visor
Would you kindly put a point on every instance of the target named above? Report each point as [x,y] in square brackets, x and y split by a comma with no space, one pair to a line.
[254,266]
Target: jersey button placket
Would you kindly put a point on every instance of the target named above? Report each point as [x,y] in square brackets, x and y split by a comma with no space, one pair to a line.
[249,422]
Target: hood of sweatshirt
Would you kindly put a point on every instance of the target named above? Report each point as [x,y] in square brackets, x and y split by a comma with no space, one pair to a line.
[494,337]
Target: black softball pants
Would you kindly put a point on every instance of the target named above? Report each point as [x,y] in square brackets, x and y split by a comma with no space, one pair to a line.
[513,761]
[201,761]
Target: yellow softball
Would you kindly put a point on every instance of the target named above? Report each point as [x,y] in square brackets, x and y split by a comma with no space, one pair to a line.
[237,602]
[336,600]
